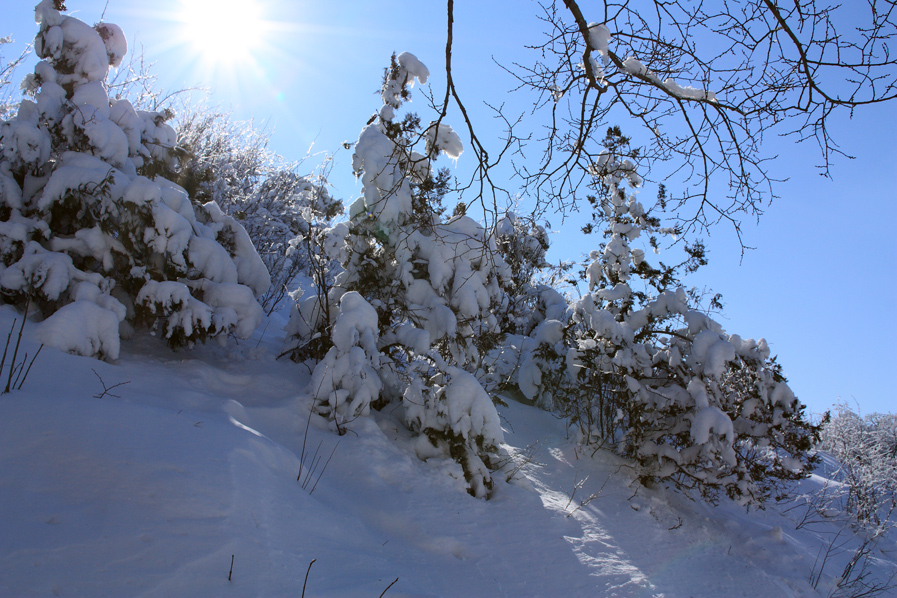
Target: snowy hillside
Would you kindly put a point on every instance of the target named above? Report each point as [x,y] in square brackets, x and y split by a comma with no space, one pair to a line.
[151,489]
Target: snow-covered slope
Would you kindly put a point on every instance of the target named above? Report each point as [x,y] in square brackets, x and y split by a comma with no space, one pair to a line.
[151,489]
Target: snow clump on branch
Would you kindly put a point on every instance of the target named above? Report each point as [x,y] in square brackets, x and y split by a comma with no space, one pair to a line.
[599,39]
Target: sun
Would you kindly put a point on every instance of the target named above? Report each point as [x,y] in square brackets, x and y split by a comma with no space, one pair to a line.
[226,34]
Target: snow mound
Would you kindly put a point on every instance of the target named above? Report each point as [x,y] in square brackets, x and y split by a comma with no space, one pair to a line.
[83,328]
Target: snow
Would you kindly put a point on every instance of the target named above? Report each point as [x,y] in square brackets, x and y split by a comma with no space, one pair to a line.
[356,318]
[92,95]
[171,234]
[115,41]
[446,140]
[82,328]
[250,267]
[456,410]
[719,353]
[234,304]
[87,52]
[713,352]
[409,69]
[10,193]
[89,291]
[470,410]
[783,396]
[634,66]
[122,113]
[549,332]
[23,138]
[415,67]
[599,38]
[345,382]
[208,256]
[414,338]
[711,419]
[687,92]
[106,138]
[46,14]
[373,156]
[39,269]
[77,170]
[620,291]
[153,509]
[150,490]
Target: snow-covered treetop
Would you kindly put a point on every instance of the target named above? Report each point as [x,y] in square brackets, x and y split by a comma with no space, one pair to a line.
[400,80]
[79,52]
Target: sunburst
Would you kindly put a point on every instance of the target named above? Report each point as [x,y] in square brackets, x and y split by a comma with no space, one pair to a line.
[226,35]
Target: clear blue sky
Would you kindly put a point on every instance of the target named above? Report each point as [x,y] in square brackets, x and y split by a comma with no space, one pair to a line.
[821,286]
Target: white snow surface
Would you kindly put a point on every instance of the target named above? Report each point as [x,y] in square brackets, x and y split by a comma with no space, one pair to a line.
[82,327]
[153,487]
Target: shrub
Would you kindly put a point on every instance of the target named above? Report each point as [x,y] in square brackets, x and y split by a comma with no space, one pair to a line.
[230,163]
[640,370]
[89,224]
[432,283]
[866,450]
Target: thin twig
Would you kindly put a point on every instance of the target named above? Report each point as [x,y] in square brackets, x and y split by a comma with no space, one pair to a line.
[304,439]
[6,349]
[323,469]
[15,352]
[105,389]
[389,586]
[19,387]
[306,576]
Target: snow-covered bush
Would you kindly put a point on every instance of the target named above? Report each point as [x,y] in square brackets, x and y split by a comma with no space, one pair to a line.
[640,370]
[866,450]
[457,417]
[230,163]
[530,315]
[346,381]
[531,365]
[86,216]
[523,244]
[432,283]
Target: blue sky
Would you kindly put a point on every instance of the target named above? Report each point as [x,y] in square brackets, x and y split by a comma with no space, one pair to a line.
[821,285]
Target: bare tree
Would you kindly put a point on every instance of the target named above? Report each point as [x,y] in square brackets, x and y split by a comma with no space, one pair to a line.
[866,449]
[705,80]
[9,93]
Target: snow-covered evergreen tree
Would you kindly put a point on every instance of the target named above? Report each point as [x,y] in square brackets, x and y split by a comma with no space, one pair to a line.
[635,367]
[657,380]
[91,232]
[529,316]
[432,283]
